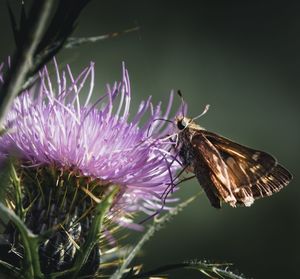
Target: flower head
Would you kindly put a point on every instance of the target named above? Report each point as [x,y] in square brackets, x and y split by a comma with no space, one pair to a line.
[53,127]
[71,150]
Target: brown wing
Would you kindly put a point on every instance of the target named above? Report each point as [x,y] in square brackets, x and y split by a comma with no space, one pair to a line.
[211,171]
[243,174]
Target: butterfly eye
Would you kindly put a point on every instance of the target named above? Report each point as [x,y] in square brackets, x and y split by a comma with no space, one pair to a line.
[181,124]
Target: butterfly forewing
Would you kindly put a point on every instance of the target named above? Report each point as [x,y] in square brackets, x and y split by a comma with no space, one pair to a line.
[213,172]
[210,170]
[248,164]
[245,173]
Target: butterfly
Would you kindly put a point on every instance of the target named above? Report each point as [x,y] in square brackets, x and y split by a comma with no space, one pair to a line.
[227,171]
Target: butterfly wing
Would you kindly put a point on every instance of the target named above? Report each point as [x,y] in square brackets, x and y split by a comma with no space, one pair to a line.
[240,174]
[211,171]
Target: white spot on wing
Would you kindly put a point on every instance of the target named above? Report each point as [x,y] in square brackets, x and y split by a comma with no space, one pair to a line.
[255,156]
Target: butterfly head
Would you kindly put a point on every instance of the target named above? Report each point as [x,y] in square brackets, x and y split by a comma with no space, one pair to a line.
[183,122]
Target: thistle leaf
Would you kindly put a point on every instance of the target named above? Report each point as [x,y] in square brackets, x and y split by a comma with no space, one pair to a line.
[210,270]
[9,269]
[37,42]
[213,270]
[18,192]
[4,179]
[77,41]
[156,226]
[93,237]
[30,241]
[6,169]
[13,24]
[83,253]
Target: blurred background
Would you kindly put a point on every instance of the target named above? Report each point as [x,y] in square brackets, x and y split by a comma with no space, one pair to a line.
[242,58]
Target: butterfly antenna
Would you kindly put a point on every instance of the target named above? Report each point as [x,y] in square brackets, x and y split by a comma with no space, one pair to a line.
[204,112]
[182,102]
[158,119]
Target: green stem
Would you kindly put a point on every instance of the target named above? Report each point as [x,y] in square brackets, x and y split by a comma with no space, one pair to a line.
[23,60]
[156,226]
[30,243]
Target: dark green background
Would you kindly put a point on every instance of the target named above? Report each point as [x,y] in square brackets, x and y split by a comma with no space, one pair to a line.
[243,59]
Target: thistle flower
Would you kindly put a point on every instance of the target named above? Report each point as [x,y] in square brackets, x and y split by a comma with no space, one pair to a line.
[69,152]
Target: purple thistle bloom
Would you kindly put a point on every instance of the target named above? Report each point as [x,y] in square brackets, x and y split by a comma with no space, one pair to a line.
[69,151]
[53,127]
